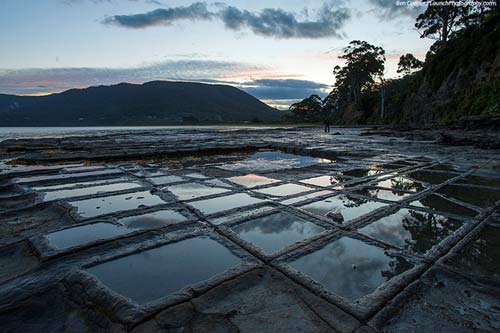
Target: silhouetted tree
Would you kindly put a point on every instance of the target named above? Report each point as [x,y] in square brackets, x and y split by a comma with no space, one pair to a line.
[310,108]
[476,12]
[364,63]
[408,63]
[438,21]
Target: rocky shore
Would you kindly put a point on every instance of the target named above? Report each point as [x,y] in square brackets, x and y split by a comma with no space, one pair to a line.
[282,229]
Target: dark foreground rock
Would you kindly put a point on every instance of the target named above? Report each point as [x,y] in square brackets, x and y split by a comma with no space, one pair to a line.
[481,138]
[240,230]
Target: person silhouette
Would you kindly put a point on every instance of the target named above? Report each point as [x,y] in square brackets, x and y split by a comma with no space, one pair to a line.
[327,125]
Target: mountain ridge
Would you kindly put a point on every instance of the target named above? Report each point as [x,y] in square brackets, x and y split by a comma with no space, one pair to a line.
[150,103]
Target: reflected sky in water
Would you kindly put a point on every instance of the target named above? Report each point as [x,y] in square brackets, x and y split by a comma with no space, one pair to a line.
[240,214]
[349,207]
[63,176]
[276,231]
[480,197]
[431,177]
[252,180]
[115,203]
[284,190]
[77,192]
[189,191]
[215,205]
[152,220]
[324,180]
[440,204]
[383,194]
[481,255]
[161,180]
[412,230]
[350,268]
[479,180]
[81,235]
[273,161]
[358,173]
[401,183]
[155,273]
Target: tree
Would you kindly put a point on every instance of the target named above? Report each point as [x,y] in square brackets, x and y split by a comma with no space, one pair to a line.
[408,63]
[331,103]
[308,109]
[364,63]
[383,84]
[438,20]
[475,13]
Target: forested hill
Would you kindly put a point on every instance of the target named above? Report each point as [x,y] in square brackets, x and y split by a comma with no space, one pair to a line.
[459,81]
[152,103]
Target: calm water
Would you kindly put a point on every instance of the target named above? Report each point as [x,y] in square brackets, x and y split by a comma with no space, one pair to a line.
[276,231]
[155,273]
[49,132]
[350,268]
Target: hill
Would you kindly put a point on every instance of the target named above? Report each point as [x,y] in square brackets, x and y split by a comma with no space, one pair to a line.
[458,84]
[460,80]
[151,103]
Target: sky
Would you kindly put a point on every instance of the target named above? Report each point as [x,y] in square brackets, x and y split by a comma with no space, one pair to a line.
[277,50]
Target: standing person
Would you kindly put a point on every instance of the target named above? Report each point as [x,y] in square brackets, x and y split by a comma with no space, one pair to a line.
[327,125]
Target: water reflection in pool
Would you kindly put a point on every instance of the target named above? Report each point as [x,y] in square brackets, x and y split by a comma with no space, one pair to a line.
[350,268]
[412,230]
[159,272]
[349,207]
[273,232]
[273,161]
[115,203]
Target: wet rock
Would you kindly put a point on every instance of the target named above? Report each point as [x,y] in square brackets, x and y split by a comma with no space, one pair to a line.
[261,300]
[15,260]
[443,308]
[26,222]
[481,140]
[18,201]
[445,136]
[479,122]
[335,216]
[269,297]
[47,310]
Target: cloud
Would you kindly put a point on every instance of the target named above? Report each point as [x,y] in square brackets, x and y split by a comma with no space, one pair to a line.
[39,80]
[281,104]
[282,24]
[328,21]
[290,83]
[162,16]
[284,89]
[389,10]
[71,2]
[280,93]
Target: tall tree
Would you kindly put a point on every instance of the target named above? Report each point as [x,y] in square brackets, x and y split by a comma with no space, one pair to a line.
[383,84]
[438,20]
[475,13]
[408,63]
[308,109]
[364,63]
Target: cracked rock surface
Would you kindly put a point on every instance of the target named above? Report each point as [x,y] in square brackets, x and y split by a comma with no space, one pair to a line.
[247,230]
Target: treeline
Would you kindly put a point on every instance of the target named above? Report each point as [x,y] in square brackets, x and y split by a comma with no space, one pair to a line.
[361,94]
